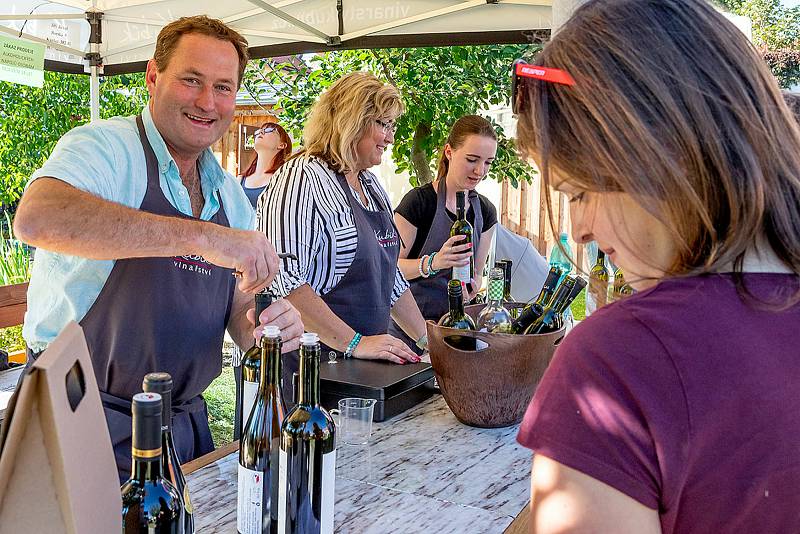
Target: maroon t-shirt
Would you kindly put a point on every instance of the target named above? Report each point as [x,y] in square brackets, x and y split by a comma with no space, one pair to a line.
[687,399]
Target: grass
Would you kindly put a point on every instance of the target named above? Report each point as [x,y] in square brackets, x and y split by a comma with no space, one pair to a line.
[221,398]
[578,306]
[15,257]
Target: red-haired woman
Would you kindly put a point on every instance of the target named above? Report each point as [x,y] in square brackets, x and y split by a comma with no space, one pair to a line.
[273,146]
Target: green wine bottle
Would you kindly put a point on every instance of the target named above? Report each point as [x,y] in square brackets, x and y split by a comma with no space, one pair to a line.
[552,313]
[534,310]
[461,226]
[456,317]
[251,364]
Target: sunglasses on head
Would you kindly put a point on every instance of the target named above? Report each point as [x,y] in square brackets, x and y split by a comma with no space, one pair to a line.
[265,130]
[520,71]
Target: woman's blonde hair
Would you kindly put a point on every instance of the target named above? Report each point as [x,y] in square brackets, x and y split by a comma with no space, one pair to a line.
[692,125]
[342,115]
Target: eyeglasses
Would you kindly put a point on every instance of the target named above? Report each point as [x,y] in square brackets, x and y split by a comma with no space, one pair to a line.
[521,70]
[265,130]
[387,127]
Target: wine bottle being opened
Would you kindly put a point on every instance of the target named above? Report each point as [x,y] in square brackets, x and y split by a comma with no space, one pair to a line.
[161,383]
[150,503]
[307,462]
[251,360]
[461,226]
[257,511]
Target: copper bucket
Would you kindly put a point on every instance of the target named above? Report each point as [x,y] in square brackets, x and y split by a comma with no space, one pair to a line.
[488,379]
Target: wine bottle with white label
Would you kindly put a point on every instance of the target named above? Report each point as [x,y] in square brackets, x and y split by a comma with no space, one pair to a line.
[307,462]
[256,512]
[461,226]
[161,383]
[251,361]
[150,503]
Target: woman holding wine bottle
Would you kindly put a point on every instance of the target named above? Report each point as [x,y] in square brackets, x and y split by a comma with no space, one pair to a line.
[676,408]
[325,207]
[426,215]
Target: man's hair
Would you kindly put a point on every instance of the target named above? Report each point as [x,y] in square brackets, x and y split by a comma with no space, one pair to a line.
[344,113]
[693,126]
[170,34]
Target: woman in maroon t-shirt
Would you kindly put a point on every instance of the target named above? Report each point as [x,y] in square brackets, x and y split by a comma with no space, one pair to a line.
[676,409]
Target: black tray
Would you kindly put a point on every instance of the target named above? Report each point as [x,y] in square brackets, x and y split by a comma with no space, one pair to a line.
[395,388]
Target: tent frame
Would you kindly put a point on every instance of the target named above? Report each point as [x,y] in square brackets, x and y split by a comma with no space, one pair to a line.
[314,40]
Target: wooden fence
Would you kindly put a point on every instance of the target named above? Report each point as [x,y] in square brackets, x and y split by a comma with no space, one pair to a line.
[524,212]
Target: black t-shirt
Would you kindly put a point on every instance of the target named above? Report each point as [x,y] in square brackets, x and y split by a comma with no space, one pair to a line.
[419,208]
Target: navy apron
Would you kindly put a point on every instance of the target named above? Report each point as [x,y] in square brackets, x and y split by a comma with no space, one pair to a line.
[160,314]
[431,293]
[363,296]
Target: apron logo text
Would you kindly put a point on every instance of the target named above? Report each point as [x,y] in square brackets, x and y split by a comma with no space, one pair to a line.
[388,238]
[192,263]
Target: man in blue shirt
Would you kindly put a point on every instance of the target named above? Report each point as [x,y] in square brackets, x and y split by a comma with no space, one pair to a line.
[139,231]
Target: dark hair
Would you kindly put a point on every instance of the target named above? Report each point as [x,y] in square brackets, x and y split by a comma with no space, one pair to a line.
[170,34]
[692,125]
[279,158]
[461,130]
[793,101]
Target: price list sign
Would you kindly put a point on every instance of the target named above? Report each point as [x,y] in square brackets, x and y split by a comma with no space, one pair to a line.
[21,61]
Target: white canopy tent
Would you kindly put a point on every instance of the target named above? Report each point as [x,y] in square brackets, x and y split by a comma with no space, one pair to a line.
[118,36]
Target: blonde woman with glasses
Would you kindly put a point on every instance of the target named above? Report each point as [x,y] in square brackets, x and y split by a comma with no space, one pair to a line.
[330,211]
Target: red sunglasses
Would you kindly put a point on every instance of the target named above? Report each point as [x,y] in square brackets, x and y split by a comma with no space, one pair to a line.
[522,70]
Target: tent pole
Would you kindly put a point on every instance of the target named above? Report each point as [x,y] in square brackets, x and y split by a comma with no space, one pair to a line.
[94,94]
[95,61]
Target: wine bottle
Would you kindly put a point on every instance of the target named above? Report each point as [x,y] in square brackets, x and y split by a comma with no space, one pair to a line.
[456,317]
[307,462]
[621,287]
[599,277]
[560,254]
[563,311]
[508,300]
[462,227]
[494,317]
[161,383]
[257,510]
[251,362]
[535,309]
[150,503]
[550,318]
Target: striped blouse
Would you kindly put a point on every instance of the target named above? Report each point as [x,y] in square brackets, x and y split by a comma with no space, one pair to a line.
[303,210]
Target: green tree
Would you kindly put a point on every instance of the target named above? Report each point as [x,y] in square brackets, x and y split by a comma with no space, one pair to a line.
[776,32]
[33,119]
[438,86]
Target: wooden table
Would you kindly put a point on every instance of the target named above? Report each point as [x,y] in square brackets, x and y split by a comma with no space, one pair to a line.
[423,471]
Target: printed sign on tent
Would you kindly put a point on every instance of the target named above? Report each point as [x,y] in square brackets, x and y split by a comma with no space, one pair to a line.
[21,61]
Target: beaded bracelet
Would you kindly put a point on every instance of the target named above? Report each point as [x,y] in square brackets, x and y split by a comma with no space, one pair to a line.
[351,347]
[421,271]
[431,270]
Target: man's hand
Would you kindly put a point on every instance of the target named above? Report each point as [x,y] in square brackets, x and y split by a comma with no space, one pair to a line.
[282,314]
[248,252]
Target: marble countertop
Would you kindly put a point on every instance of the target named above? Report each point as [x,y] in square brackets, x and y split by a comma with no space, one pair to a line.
[422,471]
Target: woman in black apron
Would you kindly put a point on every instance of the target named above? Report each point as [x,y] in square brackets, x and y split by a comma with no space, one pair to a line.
[325,207]
[426,213]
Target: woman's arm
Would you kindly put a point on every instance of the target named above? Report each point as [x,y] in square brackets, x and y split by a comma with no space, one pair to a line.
[407,315]
[408,233]
[566,500]
[318,317]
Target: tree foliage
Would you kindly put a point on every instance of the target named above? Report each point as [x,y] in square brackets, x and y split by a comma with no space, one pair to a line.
[438,85]
[776,32]
[33,119]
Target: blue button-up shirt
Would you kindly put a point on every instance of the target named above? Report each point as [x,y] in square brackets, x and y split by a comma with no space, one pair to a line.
[105,158]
